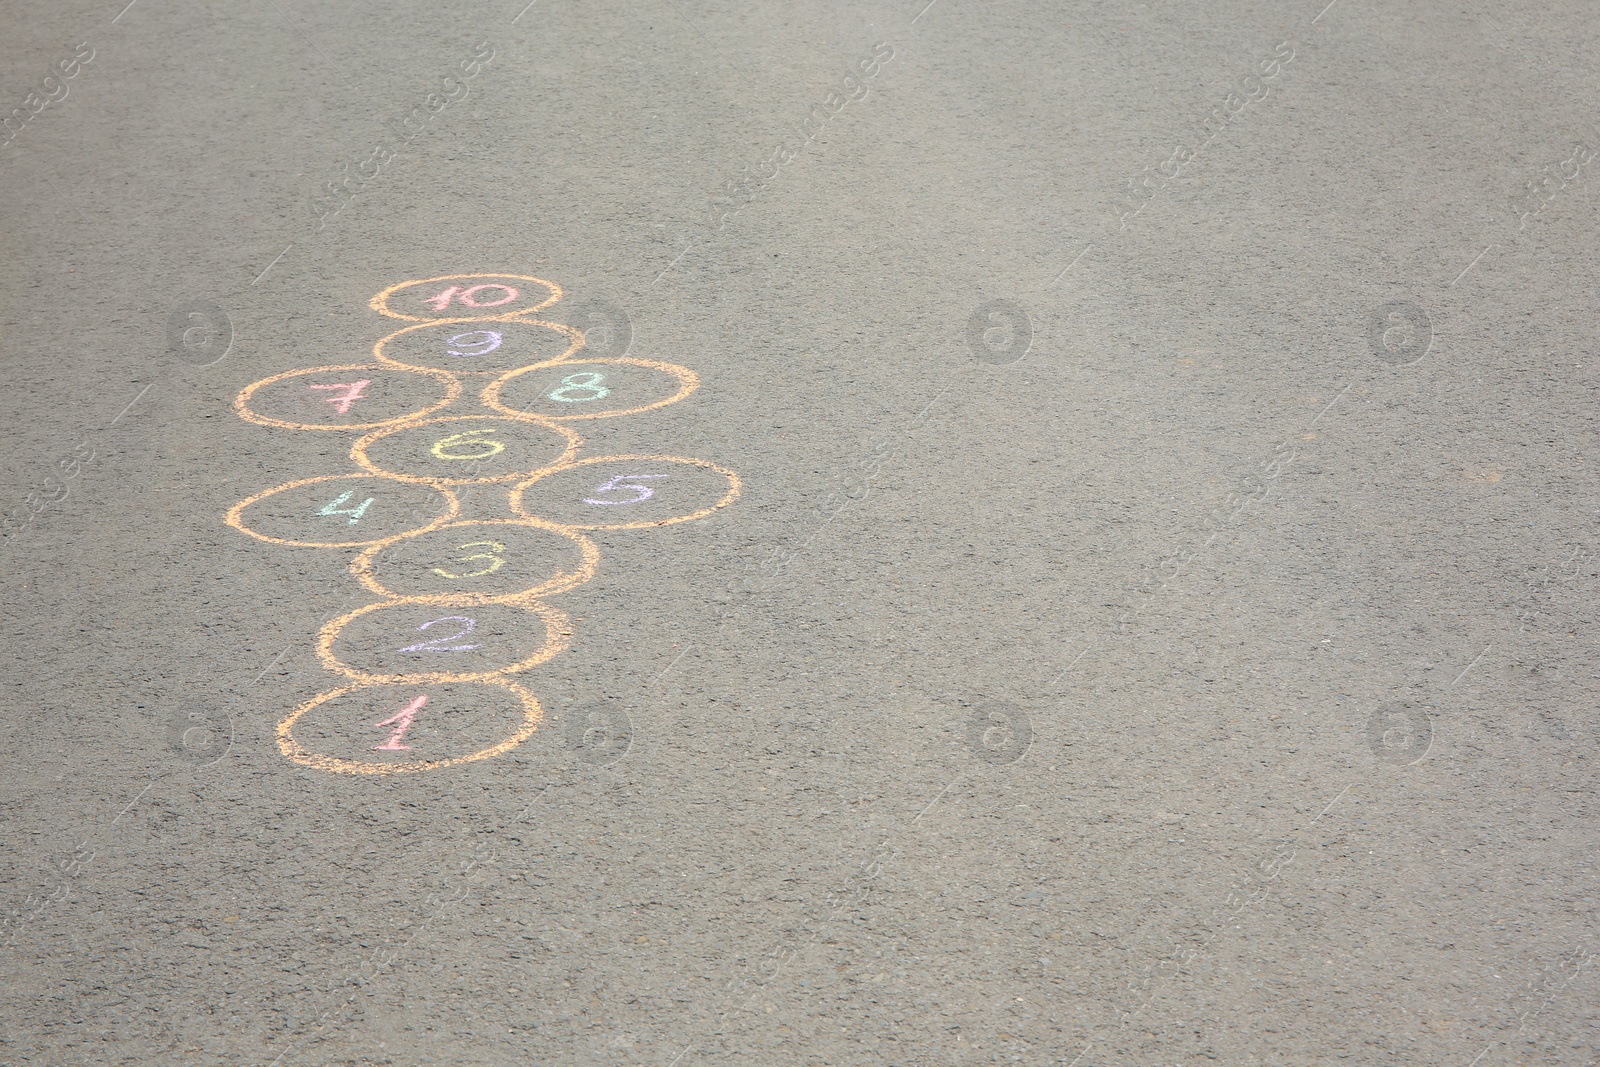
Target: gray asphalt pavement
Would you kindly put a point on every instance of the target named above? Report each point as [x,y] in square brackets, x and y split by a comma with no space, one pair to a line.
[830,534]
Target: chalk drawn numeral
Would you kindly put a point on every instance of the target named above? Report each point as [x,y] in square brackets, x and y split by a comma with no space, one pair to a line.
[401,723]
[643,492]
[475,343]
[341,404]
[457,445]
[495,562]
[590,384]
[437,644]
[332,507]
[440,301]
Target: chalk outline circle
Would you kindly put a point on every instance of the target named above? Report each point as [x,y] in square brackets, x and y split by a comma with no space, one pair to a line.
[380,302]
[557,639]
[735,486]
[377,349]
[358,451]
[242,409]
[361,567]
[235,513]
[688,382]
[533,715]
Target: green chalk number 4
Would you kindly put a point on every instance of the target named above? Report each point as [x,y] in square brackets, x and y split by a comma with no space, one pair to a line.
[332,508]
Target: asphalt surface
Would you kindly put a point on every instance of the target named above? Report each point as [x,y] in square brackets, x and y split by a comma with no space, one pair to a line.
[1101,568]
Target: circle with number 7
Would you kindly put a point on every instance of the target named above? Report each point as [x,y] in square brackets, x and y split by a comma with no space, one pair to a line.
[629,492]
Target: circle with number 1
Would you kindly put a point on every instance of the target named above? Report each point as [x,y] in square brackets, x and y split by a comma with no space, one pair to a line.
[388,728]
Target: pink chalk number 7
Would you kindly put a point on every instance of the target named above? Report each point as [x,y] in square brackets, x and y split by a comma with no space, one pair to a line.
[341,404]
[401,723]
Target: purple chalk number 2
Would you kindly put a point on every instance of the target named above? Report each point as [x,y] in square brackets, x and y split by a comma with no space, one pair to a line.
[437,644]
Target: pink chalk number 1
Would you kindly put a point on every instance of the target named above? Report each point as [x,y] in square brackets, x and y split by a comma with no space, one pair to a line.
[401,723]
[440,301]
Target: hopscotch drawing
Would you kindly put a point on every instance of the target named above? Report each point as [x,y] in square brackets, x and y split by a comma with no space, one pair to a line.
[463,604]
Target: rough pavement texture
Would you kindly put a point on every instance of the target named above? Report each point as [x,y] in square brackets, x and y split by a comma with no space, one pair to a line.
[1156,627]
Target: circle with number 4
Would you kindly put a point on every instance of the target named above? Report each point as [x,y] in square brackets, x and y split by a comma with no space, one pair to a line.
[358,396]
[385,728]
[466,450]
[627,492]
[573,389]
[477,346]
[403,641]
[451,296]
[479,561]
[342,511]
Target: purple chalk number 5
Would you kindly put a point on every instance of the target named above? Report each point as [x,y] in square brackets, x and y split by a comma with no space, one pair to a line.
[642,492]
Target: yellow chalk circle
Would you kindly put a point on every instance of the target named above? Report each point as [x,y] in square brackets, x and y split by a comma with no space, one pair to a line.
[569,390]
[478,346]
[419,642]
[481,296]
[467,449]
[479,561]
[350,504]
[383,728]
[356,396]
[630,492]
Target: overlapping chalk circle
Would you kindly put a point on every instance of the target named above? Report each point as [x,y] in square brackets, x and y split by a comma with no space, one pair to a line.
[464,601]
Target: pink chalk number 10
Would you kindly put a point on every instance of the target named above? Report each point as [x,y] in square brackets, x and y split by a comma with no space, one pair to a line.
[440,301]
[401,723]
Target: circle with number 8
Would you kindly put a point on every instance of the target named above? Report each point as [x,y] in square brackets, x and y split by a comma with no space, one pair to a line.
[466,450]
[570,390]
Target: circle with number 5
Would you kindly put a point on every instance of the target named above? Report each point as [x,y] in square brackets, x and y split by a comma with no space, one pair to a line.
[466,450]
[627,492]
[574,389]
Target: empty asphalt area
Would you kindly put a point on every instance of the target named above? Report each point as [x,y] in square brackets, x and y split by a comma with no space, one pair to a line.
[694,533]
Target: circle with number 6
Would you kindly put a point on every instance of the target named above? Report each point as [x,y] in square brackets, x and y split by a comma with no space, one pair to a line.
[466,450]
[627,492]
[384,728]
